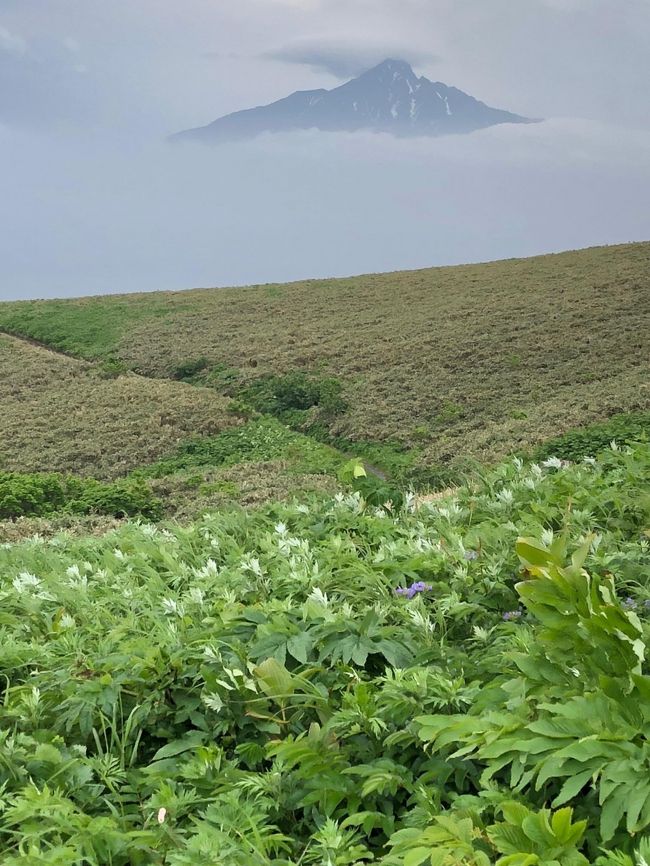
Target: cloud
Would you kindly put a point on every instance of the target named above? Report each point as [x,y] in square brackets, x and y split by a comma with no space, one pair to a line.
[96,216]
[41,81]
[345,59]
[10,43]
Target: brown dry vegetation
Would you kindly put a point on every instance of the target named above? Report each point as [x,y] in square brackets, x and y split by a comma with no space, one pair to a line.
[465,361]
[59,414]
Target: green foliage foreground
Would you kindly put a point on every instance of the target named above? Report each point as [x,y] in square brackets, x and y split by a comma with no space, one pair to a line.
[252,689]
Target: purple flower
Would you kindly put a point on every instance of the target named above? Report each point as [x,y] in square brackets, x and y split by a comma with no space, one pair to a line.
[471,554]
[646,604]
[629,603]
[413,589]
[509,615]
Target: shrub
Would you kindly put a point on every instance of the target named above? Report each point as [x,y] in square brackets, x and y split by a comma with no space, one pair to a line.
[290,395]
[189,369]
[44,494]
[111,368]
[23,495]
[588,441]
[258,441]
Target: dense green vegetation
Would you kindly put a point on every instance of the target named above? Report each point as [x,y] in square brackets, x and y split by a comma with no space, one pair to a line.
[576,444]
[448,363]
[330,682]
[44,494]
[380,675]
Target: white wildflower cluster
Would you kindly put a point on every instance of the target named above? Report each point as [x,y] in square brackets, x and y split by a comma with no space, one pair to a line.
[172,607]
[452,511]
[317,596]
[555,463]
[196,596]
[505,497]
[288,544]
[209,570]
[251,563]
[26,582]
[349,501]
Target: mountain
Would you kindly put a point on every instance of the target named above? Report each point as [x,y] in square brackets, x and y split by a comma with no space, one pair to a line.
[388,98]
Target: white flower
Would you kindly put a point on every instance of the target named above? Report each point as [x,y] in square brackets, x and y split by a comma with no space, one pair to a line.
[552,463]
[26,580]
[196,595]
[252,563]
[162,814]
[319,597]
[547,537]
[171,606]
[67,621]
[210,569]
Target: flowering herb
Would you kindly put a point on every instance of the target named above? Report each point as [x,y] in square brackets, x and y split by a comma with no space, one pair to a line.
[413,589]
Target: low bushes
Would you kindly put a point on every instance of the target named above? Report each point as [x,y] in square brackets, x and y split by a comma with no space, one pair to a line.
[43,494]
[588,441]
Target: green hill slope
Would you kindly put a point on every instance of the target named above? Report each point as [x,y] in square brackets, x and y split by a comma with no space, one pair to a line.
[328,684]
[473,361]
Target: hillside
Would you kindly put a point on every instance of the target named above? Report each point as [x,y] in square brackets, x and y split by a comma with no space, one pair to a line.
[332,684]
[436,365]
[62,414]
[375,676]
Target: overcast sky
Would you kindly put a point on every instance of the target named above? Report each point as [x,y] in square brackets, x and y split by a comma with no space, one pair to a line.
[94,200]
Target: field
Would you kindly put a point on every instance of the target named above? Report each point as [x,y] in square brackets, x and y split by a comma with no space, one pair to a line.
[238,624]
[444,365]
[61,414]
[338,684]
[68,416]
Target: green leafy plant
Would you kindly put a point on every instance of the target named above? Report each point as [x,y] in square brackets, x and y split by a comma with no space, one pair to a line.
[460,680]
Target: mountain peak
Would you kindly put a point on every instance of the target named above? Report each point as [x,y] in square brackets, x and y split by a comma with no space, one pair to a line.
[392,65]
[390,98]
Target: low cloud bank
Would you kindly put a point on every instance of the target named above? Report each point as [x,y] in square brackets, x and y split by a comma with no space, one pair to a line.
[91,214]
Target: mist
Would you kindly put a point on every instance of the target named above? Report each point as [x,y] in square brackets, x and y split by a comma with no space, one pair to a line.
[88,215]
[95,200]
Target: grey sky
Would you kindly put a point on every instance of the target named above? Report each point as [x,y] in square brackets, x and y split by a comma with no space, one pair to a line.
[95,201]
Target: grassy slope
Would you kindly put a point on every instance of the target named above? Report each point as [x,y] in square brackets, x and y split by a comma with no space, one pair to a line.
[59,414]
[466,361]
[64,415]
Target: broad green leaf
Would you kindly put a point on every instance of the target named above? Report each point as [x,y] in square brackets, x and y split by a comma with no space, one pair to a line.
[177,747]
[274,679]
